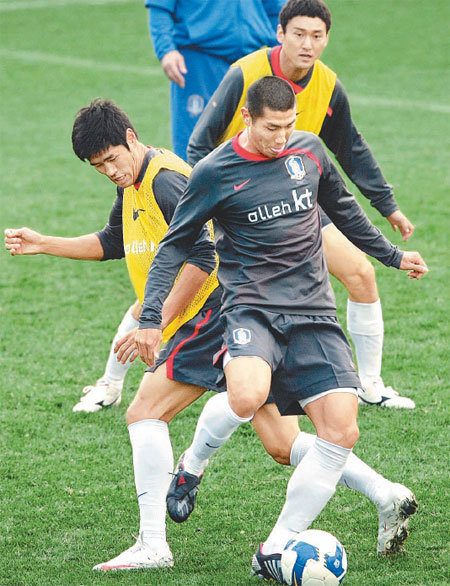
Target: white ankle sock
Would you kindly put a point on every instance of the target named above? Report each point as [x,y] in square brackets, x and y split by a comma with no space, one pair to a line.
[115,371]
[216,424]
[356,474]
[153,465]
[311,486]
[366,328]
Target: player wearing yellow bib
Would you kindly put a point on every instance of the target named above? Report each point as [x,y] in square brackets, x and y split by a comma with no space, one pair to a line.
[322,108]
[149,183]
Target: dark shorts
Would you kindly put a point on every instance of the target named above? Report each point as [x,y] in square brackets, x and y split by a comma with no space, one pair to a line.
[189,353]
[324,219]
[307,354]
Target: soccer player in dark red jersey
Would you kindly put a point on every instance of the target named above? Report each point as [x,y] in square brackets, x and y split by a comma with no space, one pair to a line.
[262,189]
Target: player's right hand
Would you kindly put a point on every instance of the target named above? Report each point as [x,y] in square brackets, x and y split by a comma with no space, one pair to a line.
[126,347]
[148,341]
[174,67]
[22,241]
[414,263]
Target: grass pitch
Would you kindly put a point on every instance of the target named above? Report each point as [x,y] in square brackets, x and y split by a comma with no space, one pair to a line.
[68,499]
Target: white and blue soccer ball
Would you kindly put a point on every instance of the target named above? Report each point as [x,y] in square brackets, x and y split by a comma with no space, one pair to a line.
[314,558]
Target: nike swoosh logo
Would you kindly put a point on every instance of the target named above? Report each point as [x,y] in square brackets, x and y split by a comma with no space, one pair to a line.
[213,447]
[241,185]
[142,494]
[136,213]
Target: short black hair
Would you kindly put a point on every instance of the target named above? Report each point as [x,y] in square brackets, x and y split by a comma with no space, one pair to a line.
[98,127]
[269,92]
[310,8]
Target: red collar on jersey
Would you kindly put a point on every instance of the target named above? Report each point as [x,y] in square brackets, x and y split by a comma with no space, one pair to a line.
[275,62]
[245,154]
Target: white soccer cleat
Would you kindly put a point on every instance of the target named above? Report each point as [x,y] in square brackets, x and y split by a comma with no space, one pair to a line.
[140,556]
[99,396]
[393,520]
[374,392]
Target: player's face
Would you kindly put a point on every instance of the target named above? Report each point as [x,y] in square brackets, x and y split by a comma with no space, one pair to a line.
[303,42]
[118,163]
[268,134]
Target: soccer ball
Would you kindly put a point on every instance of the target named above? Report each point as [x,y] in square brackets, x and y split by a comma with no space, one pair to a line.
[314,558]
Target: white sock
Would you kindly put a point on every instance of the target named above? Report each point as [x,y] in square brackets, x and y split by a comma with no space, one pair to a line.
[365,325]
[216,424]
[115,371]
[356,474]
[153,465]
[311,486]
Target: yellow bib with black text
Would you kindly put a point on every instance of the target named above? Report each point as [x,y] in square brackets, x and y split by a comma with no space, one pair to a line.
[144,227]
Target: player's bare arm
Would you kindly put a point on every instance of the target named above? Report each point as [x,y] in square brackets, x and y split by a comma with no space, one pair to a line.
[185,289]
[399,221]
[24,241]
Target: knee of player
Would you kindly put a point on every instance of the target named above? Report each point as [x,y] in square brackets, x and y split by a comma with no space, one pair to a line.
[281,454]
[246,404]
[360,277]
[345,436]
[138,412]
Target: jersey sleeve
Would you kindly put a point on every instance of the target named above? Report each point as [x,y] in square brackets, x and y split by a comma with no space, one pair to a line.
[160,22]
[111,237]
[216,116]
[341,136]
[195,208]
[168,187]
[346,213]
[272,8]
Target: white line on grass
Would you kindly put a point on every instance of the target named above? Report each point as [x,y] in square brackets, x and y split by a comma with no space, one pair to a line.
[36,57]
[10,6]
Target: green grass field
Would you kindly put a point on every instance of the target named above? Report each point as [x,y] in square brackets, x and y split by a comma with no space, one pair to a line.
[67,490]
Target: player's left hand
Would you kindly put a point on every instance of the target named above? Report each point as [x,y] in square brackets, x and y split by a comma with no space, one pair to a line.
[414,263]
[126,347]
[399,221]
[148,341]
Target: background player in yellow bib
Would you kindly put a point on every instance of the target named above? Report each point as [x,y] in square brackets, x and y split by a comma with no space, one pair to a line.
[322,108]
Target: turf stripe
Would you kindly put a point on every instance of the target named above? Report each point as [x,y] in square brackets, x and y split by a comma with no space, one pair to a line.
[37,57]
[27,5]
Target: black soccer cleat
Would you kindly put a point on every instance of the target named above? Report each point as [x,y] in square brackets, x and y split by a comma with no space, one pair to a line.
[267,566]
[182,493]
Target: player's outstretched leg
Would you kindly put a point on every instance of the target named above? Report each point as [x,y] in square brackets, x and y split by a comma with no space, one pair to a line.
[107,391]
[395,503]
[216,424]
[366,328]
[158,400]
[364,317]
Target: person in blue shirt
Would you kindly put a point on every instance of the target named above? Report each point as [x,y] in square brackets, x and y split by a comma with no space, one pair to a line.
[196,41]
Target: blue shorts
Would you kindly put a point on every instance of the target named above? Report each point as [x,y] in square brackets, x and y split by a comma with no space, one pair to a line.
[307,354]
[205,72]
[189,353]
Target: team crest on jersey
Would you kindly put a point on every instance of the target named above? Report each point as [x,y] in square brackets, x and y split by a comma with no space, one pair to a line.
[242,336]
[295,167]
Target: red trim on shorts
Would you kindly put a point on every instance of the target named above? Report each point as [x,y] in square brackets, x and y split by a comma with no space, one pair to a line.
[275,62]
[169,362]
[219,355]
[330,111]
